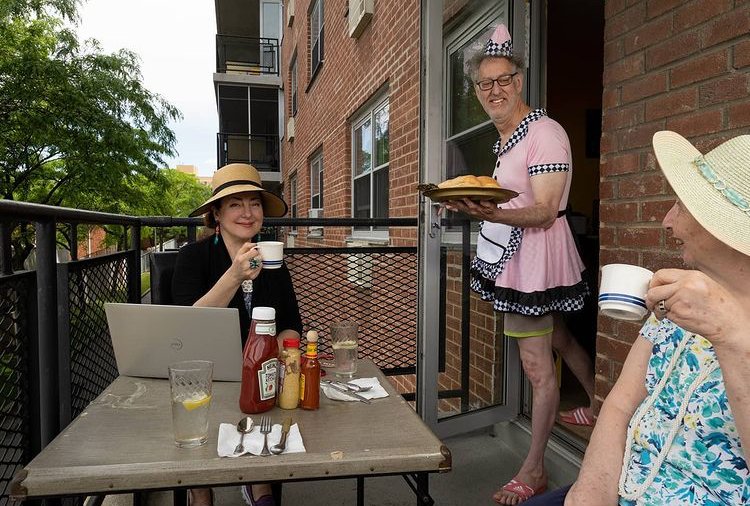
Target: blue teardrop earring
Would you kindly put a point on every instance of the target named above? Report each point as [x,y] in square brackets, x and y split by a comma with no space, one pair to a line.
[217,234]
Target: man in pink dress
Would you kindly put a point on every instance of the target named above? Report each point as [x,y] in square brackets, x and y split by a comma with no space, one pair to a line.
[527,263]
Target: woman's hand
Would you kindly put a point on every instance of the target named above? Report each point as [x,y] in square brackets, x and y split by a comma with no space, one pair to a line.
[247,263]
[697,303]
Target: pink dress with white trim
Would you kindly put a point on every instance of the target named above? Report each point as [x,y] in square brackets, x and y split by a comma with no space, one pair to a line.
[541,271]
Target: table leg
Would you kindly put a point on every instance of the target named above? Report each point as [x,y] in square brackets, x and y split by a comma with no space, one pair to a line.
[179,496]
[421,487]
[360,491]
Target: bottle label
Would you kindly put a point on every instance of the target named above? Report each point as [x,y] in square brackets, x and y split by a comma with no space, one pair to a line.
[267,376]
[302,387]
[265,329]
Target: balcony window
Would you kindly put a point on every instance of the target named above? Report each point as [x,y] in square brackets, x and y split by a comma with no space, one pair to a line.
[316,36]
[316,181]
[370,157]
[293,199]
[293,84]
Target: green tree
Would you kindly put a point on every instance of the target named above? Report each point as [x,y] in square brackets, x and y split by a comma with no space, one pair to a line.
[78,127]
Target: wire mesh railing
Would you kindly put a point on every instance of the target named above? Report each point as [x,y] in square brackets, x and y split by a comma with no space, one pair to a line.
[55,349]
[16,297]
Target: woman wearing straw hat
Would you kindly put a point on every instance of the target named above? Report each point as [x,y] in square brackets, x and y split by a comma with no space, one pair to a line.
[224,270]
[675,427]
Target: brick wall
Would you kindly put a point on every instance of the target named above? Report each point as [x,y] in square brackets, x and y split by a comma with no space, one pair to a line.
[668,65]
[386,55]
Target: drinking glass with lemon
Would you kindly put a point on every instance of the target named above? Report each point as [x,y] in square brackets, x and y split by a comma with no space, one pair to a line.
[190,384]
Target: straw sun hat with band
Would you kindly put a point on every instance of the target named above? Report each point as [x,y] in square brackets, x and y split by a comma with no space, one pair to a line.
[238,178]
[714,187]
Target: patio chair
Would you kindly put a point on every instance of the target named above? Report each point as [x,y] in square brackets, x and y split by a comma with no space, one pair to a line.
[162,268]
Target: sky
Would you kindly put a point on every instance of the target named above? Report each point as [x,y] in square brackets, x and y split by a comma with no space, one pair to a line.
[176,43]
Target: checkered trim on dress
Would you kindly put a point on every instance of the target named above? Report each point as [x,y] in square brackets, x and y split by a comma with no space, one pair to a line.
[520,132]
[492,48]
[492,271]
[546,168]
[564,306]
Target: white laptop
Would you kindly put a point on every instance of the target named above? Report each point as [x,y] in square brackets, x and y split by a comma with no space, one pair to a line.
[146,338]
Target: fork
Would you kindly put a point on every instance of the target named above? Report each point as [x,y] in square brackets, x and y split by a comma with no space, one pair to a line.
[265,428]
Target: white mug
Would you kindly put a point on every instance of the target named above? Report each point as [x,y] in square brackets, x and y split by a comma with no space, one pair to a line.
[272,253]
[622,293]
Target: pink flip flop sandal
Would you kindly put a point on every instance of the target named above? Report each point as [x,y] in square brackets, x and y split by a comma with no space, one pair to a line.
[577,416]
[521,490]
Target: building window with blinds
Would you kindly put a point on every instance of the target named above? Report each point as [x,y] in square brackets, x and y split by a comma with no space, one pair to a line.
[316,36]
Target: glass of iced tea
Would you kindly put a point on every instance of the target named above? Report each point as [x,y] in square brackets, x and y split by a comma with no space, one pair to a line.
[190,384]
[344,344]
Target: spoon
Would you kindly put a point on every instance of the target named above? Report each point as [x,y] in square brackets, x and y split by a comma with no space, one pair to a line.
[244,426]
[354,387]
[278,449]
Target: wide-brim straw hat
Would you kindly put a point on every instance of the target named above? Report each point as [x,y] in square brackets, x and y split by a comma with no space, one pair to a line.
[714,187]
[239,178]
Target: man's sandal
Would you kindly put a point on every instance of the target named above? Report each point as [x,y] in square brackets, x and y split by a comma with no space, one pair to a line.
[577,416]
[520,489]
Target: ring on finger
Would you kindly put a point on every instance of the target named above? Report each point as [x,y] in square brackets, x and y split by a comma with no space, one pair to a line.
[662,307]
[254,263]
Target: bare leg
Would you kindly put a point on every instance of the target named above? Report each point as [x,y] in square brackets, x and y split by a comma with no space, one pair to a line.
[200,497]
[575,357]
[536,357]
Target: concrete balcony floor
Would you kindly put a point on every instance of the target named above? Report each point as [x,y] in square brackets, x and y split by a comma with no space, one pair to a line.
[482,461]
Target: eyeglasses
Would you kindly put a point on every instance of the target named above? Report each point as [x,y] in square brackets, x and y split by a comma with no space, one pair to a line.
[504,80]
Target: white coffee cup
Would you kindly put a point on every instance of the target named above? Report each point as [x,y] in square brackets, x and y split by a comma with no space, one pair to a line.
[622,293]
[272,253]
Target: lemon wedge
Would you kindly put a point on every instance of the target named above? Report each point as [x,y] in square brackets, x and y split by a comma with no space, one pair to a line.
[196,402]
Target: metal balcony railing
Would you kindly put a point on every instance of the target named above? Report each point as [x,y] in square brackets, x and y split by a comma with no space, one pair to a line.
[262,151]
[246,55]
[55,350]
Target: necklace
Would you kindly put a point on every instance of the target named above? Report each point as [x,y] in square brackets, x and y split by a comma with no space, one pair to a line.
[676,423]
[247,286]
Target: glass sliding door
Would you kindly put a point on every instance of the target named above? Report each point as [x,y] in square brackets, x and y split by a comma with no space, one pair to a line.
[470,374]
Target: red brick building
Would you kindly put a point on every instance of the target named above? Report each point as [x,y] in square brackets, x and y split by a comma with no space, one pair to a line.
[375,102]
[668,65]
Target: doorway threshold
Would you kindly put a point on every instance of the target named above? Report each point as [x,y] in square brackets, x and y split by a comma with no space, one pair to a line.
[562,460]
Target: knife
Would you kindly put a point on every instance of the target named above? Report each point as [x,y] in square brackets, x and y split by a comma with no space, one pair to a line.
[346,391]
[279,448]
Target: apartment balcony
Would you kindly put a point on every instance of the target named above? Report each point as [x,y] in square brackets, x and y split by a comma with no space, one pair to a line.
[262,151]
[241,55]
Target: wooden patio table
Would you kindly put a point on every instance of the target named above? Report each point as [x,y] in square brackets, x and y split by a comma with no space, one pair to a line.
[123,442]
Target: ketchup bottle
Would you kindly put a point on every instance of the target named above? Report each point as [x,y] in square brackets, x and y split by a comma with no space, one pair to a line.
[260,363]
[309,379]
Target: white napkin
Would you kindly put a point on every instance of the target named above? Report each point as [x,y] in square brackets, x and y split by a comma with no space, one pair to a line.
[376,392]
[229,438]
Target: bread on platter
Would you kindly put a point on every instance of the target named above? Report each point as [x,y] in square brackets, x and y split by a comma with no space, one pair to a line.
[469,180]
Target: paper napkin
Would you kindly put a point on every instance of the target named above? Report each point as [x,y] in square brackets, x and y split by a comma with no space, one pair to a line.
[376,392]
[229,438]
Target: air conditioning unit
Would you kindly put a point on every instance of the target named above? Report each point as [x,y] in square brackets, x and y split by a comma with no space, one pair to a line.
[359,266]
[290,129]
[290,13]
[315,230]
[360,13]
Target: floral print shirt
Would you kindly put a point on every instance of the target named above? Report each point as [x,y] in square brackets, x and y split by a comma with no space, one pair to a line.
[705,464]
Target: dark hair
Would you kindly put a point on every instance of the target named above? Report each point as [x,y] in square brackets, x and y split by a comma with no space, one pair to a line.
[471,67]
[208,219]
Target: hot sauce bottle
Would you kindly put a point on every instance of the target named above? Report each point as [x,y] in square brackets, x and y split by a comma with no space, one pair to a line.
[309,380]
[260,363]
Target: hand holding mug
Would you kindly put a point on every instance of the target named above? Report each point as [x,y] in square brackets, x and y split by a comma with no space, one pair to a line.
[697,303]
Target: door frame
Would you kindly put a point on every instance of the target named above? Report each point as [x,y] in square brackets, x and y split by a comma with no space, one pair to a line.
[432,154]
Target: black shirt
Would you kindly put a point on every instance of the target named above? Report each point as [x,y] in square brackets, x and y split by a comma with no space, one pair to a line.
[200,265]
